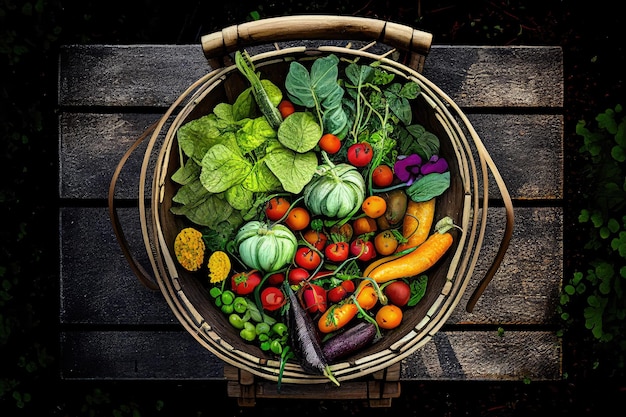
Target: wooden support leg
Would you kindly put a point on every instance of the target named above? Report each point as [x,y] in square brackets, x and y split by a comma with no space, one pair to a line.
[378,389]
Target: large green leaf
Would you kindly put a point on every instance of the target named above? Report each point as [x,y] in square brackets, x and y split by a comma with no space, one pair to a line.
[300,132]
[293,169]
[223,168]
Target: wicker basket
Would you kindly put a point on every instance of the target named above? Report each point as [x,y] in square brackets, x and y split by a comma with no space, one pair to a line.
[465,201]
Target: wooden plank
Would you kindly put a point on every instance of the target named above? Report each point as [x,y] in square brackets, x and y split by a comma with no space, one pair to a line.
[175,355]
[498,76]
[91,144]
[98,287]
[473,76]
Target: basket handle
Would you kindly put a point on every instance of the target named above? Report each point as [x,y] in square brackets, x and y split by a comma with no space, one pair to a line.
[144,277]
[218,45]
[508,228]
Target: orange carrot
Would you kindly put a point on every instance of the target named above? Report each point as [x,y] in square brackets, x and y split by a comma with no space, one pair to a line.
[416,262]
[337,316]
[417,222]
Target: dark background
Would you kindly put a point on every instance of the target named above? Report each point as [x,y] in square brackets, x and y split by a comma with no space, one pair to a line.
[592,37]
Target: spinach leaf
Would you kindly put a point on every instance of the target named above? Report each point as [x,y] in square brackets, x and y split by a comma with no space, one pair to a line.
[253,133]
[187,173]
[261,179]
[429,186]
[318,90]
[208,211]
[416,139]
[397,97]
[299,132]
[223,168]
[239,197]
[245,106]
[293,169]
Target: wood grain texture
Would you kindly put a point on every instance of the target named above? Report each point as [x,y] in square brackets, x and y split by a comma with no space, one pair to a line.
[528,149]
[473,76]
[175,355]
[98,287]
[113,328]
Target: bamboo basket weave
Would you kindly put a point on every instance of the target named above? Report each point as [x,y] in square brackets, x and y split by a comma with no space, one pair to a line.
[401,50]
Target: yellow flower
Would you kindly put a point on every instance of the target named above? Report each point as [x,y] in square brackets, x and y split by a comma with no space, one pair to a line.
[189,249]
[219,266]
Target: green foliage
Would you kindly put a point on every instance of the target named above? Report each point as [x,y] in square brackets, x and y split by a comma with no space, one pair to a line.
[600,288]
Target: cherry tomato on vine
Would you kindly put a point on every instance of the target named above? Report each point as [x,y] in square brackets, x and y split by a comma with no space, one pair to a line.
[298,218]
[286,108]
[362,249]
[374,206]
[297,275]
[340,292]
[314,297]
[385,242]
[244,282]
[272,298]
[337,251]
[398,293]
[382,176]
[330,143]
[360,154]
[307,258]
[316,238]
[276,278]
[276,208]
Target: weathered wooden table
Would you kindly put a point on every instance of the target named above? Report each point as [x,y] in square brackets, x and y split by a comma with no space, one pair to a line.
[113,328]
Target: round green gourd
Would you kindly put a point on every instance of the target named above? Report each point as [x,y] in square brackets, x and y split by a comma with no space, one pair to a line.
[336,191]
[264,247]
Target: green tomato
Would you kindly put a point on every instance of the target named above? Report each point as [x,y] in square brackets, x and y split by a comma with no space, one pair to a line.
[215,292]
[240,304]
[279,328]
[247,334]
[276,347]
[228,297]
[236,321]
[262,328]
[227,308]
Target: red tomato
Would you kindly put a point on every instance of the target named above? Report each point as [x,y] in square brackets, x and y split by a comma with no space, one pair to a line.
[340,292]
[362,249]
[337,252]
[244,282]
[276,278]
[349,286]
[360,154]
[272,298]
[307,258]
[286,108]
[398,293]
[276,208]
[297,275]
[330,143]
[314,297]
[298,218]
[316,238]
[382,176]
